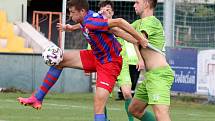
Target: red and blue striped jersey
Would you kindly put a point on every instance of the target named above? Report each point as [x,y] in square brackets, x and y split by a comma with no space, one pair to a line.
[103,43]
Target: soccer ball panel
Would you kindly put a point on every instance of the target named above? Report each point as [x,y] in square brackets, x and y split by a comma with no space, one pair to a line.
[52,55]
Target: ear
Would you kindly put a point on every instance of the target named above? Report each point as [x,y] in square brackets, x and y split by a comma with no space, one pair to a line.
[147,5]
[82,10]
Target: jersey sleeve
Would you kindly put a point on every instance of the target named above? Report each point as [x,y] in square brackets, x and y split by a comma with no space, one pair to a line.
[97,24]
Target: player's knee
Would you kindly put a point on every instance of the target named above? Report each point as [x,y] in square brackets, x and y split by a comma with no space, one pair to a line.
[161,115]
[133,111]
[161,111]
[99,105]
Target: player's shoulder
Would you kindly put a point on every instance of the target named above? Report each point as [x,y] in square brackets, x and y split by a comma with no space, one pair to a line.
[93,14]
[136,23]
[153,20]
[92,17]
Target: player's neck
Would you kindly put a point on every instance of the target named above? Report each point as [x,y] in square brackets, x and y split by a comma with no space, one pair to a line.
[146,13]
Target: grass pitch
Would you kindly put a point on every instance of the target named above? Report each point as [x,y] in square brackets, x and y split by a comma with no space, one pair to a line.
[79,107]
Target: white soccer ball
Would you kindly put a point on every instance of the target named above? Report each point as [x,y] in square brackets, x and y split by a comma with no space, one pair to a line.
[52,55]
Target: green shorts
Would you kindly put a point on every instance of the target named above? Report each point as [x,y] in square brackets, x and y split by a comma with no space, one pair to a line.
[155,89]
[124,77]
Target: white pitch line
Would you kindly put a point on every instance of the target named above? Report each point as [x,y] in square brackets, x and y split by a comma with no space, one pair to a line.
[71,106]
[77,106]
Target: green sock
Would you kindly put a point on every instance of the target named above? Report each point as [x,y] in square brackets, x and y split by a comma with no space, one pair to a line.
[148,116]
[106,116]
[127,102]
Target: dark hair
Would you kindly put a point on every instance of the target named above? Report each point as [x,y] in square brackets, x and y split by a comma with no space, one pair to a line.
[79,4]
[106,2]
[153,3]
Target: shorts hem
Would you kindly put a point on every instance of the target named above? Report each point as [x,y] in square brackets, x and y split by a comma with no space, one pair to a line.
[145,101]
[106,88]
[158,103]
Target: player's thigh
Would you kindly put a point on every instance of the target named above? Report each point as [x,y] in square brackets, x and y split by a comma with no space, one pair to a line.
[160,108]
[158,85]
[137,106]
[161,111]
[89,61]
[141,92]
[140,99]
[107,74]
[72,59]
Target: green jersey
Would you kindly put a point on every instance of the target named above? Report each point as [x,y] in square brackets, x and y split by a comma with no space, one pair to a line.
[153,27]
[123,52]
[131,53]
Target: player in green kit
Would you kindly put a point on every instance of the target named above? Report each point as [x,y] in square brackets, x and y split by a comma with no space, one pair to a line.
[158,78]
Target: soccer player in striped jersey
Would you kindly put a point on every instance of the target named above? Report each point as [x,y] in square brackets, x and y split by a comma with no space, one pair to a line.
[104,58]
[124,79]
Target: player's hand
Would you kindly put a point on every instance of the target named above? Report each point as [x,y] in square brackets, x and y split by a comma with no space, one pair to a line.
[61,27]
[144,42]
[106,13]
[66,27]
[140,65]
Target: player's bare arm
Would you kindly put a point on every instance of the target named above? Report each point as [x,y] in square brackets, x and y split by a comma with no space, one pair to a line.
[140,64]
[68,27]
[124,25]
[124,35]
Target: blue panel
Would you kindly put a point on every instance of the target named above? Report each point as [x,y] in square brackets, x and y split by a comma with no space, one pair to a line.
[184,62]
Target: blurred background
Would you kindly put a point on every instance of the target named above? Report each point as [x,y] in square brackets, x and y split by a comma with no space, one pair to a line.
[28,26]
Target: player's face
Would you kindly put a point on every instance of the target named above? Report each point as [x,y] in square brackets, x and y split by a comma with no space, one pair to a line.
[139,6]
[76,15]
[107,11]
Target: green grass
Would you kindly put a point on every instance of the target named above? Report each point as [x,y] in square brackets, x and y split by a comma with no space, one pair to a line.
[79,107]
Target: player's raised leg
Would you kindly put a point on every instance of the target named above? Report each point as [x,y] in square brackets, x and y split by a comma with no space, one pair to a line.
[37,97]
[70,59]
